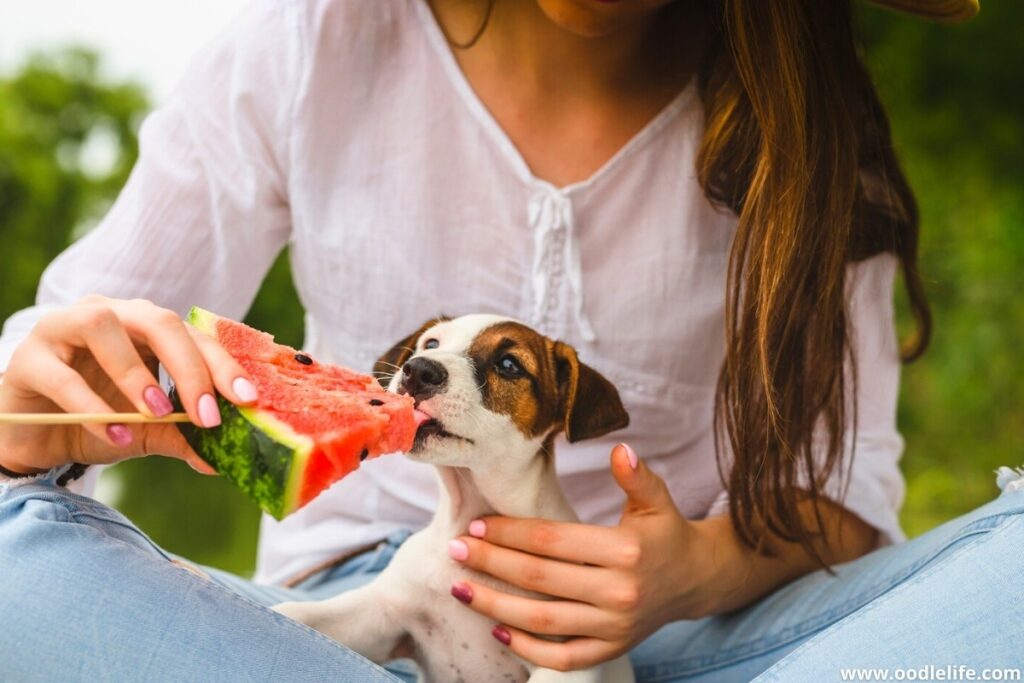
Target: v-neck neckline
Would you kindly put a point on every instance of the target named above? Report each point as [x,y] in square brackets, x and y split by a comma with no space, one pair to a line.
[501,138]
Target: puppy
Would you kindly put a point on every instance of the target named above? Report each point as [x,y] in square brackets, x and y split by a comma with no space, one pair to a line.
[491,395]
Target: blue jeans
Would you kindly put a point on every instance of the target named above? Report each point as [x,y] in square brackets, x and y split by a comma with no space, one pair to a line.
[86,596]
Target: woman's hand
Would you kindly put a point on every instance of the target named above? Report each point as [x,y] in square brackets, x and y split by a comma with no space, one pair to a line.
[612,587]
[101,356]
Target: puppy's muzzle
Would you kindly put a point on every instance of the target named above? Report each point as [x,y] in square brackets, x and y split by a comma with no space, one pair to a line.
[423,378]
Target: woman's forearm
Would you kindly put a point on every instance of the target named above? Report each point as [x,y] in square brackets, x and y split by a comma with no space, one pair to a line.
[739,575]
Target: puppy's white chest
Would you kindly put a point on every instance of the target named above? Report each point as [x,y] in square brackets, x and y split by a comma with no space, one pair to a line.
[451,641]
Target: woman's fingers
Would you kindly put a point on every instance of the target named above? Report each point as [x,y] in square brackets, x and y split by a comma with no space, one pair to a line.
[573,654]
[166,336]
[69,391]
[196,362]
[101,331]
[231,380]
[201,466]
[109,330]
[547,617]
[98,356]
[533,573]
[166,439]
[58,383]
[583,543]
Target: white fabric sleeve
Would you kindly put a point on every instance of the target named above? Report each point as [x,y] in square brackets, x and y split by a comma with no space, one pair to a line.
[204,212]
[874,486]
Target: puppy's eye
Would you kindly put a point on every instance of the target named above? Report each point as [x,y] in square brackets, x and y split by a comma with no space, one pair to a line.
[507,366]
[431,344]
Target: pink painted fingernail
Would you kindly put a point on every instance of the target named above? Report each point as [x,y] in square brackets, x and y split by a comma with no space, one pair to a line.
[462,592]
[477,528]
[458,550]
[244,390]
[631,455]
[502,635]
[209,413]
[157,401]
[120,435]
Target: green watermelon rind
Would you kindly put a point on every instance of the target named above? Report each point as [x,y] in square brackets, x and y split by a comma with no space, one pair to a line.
[261,455]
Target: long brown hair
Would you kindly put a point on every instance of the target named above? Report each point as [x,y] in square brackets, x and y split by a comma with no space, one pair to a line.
[798,146]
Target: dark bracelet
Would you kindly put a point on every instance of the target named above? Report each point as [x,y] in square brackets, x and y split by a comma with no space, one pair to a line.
[16,475]
[74,472]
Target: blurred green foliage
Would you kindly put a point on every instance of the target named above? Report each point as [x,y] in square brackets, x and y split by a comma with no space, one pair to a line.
[955,96]
[956,99]
[56,118]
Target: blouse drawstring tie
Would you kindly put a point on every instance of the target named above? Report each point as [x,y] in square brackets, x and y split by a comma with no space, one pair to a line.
[551,218]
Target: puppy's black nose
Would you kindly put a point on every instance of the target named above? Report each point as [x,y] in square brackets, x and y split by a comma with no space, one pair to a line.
[423,378]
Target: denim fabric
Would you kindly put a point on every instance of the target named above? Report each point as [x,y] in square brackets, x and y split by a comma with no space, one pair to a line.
[87,596]
[944,588]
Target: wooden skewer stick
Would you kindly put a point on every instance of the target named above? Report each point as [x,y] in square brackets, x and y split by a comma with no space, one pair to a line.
[86,418]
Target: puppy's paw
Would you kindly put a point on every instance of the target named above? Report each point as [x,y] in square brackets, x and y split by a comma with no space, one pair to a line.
[323,616]
[302,612]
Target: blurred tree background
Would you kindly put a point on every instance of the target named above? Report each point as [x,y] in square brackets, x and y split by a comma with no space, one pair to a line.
[956,99]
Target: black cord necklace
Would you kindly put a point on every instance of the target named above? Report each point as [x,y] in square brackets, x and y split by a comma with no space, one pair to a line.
[476,36]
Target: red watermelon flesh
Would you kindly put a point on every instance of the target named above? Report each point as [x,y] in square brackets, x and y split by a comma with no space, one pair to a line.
[312,424]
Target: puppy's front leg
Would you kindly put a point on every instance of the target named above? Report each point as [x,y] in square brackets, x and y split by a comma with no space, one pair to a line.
[357,619]
[616,671]
[552,676]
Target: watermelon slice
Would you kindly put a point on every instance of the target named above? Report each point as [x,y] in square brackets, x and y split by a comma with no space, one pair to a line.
[313,423]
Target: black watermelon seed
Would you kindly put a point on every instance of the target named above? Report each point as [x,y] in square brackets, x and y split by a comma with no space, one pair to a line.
[376,402]
[304,359]
[364,455]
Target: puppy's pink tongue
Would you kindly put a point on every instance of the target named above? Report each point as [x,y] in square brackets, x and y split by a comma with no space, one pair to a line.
[420,417]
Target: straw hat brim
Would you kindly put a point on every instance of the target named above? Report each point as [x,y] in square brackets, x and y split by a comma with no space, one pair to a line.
[948,11]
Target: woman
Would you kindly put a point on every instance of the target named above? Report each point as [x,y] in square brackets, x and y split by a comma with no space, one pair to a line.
[642,179]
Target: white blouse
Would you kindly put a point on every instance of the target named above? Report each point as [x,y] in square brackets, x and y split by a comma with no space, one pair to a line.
[346,129]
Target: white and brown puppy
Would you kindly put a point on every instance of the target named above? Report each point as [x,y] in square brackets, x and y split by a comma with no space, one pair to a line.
[491,395]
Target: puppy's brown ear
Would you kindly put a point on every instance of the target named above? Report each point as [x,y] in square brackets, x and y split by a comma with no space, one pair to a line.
[590,404]
[392,361]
